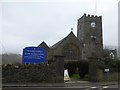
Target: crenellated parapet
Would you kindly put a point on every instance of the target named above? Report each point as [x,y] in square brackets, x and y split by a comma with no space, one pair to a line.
[91,18]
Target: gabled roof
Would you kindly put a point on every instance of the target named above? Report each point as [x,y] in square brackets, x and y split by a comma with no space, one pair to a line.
[70,35]
[57,44]
[43,45]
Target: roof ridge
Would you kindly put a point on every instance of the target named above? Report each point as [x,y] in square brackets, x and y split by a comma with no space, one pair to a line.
[59,42]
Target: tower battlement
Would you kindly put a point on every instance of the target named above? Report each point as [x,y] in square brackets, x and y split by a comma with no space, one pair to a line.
[94,16]
[90,18]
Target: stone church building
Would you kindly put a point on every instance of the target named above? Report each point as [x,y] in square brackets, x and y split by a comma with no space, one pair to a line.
[87,43]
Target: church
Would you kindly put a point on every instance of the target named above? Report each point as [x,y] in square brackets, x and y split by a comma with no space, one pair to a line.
[88,42]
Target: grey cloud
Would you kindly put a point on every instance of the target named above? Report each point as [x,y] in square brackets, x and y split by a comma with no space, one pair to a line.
[27,24]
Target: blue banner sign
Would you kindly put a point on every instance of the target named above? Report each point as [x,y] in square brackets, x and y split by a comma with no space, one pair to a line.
[34,55]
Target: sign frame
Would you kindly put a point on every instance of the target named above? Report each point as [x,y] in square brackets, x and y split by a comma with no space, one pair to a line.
[32,55]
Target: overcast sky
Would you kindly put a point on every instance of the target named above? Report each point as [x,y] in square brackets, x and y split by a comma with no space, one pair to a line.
[29,23]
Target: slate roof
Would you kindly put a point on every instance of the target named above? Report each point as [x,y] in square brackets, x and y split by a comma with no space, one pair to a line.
[71,35]
[43,45]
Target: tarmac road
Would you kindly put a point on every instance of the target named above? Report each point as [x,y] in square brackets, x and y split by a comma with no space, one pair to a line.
[71,86]
[61,88]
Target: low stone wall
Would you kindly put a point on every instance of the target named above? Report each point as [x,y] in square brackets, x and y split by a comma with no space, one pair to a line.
[41,73]
[108,77]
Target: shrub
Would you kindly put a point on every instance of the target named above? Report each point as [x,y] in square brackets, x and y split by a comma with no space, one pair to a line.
[83,68]
[112,64]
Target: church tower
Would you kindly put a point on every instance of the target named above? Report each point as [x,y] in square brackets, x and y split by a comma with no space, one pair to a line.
[89,32]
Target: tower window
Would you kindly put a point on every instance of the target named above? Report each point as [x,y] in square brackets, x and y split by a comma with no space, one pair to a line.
[93,38]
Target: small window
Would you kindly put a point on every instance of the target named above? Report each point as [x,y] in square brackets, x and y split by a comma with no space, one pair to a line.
[93,38]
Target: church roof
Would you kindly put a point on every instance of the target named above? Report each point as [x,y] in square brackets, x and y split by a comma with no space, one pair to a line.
[43,45]
[70,35]
[58,43]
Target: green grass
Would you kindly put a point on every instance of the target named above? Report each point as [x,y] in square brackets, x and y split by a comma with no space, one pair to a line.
[75,76]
